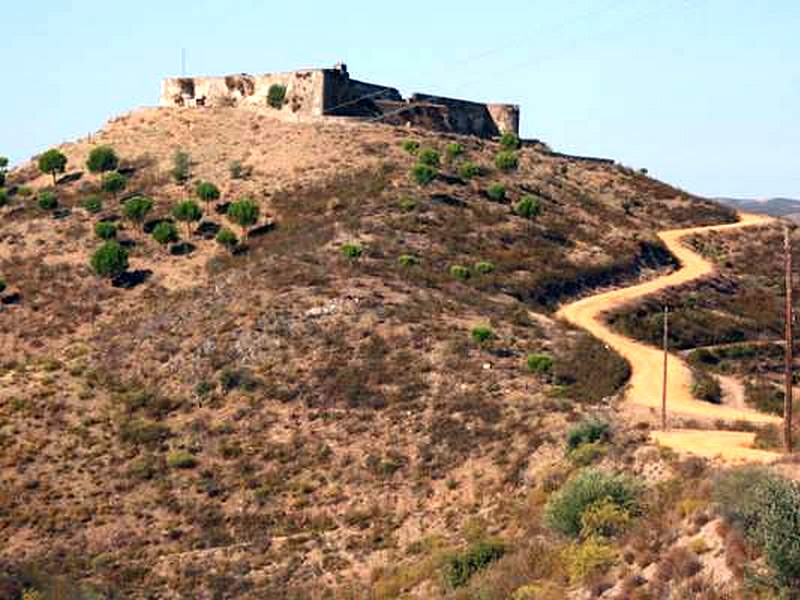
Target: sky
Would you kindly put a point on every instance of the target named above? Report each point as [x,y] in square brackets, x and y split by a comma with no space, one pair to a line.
[705,94]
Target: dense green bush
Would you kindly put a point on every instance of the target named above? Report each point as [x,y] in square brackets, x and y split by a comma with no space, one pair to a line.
[528,207]
[589,559]
[766,508]
[276,95]
[47,200]
[705,387]
[429,157]
[496,192]
[207,192]
[165,233]
[460,567]
[506,160]
[105,230]
[181,459]
[509,141]
[407,260]
[136,209]
[423,174]
[588,431]
[102,159]
[539,363]
[469,170]
[565,508]
[460,272]
[92,204]
[764,396]
[110,260]
[181,166]
[187,212]
[484,267]
[410,146]
[351,250]
[243,212]
[225,237]
[3,197]
[453,150]
[481,334]
[53,161]
[113,183]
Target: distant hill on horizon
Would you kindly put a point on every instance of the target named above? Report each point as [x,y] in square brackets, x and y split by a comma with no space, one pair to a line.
[776,207]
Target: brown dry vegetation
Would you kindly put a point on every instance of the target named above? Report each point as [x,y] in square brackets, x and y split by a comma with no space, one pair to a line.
[289,422]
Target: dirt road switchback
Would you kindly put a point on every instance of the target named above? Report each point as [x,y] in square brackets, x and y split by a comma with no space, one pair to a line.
[647,361]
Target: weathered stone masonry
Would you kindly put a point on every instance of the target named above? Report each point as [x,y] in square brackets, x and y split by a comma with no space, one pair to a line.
[333,93]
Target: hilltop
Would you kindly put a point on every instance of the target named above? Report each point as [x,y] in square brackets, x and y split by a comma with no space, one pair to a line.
[371,384]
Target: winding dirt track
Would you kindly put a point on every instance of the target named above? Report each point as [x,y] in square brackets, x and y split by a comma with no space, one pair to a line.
[646,361]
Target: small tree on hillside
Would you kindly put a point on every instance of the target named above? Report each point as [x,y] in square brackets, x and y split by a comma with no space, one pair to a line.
[136,209]
[243,212]
[113,183]
[227,238]
[165,233]
[110,260]
[3,170]
[187,212]
[181,166]
[102,159]
[53,161]
[208,193]
[276,96]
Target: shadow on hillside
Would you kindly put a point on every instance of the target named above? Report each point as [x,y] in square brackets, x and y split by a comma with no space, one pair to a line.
[182,249]
[70,178]
[130,279]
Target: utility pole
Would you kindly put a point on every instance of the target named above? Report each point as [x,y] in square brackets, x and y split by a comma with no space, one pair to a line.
[787,400]
[664,382]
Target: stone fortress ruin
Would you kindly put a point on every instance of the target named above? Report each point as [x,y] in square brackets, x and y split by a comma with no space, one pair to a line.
[333,93]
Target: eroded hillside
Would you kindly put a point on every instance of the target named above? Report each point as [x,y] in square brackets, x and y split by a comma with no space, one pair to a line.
[369,382]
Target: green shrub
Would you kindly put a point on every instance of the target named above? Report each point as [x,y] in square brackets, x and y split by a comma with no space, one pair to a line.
[225,237]
[604,518]
[109,260]
[102,159]
[765,397]
[460,567]
[407,204]
[423,174]
[113,182]
[766,508]
[429,157]
[481,334]
[3,197]
[53,161]
[351,251]
[180,459]
[410,146]
[92,204]
[47,200]
[407,260]
[165,233]
[588,431]
[509,141]
[484,267]
[276,95]
[589,559]
[453,150]
[469,170]
[539,363]
[565,508]
[506,160]
[496,192]
[528,207]
[187,212]
[24,191]
[460,272]
[136,209]
[207,192]
[243,212]
[105,230]
[587,454]
[706,387]
[181,166]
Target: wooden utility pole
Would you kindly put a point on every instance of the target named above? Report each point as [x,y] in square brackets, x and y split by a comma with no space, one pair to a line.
[664,381]
[787,400]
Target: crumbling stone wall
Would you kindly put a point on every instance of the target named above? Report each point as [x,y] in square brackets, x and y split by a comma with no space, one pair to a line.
[333,93]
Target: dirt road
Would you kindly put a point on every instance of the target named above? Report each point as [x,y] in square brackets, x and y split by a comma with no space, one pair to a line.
[647,362]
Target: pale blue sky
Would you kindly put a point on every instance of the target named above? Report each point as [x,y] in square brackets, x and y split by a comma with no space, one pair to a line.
[704,93]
